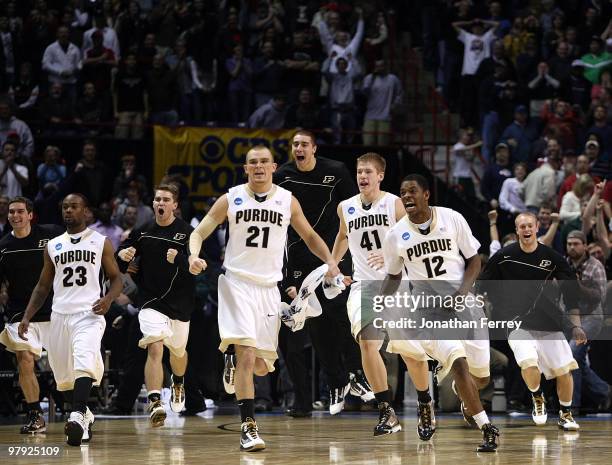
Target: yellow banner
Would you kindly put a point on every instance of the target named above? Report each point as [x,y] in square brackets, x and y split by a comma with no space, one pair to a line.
[212,159]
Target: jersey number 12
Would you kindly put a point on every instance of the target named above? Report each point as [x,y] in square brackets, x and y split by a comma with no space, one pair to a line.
[434,266]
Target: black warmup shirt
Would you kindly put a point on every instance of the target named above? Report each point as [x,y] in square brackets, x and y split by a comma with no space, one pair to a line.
[166,287]
[523,284]
[319,192]
[21,261]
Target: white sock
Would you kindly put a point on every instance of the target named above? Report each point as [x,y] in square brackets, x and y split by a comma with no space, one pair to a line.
[565,404]
[481,419]
[533,391]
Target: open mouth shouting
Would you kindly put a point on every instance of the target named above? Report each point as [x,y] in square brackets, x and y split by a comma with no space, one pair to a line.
[160,211]
[410,206]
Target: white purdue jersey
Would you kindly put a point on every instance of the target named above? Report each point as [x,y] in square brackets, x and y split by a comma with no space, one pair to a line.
[437,255]
[366,230]
[79,275]
[257,234]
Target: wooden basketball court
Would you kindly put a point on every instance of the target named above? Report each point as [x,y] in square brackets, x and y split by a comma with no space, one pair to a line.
[346,439]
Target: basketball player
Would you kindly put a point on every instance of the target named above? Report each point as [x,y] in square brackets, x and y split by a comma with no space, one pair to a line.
[431,243]
[320,184]
[76,265]
[539,345]
[259,214]
[167,291]
[21,261]
[364,221]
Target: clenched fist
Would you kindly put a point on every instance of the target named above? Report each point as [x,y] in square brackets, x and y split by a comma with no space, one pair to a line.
[127,255]
[196,265]
[171,254]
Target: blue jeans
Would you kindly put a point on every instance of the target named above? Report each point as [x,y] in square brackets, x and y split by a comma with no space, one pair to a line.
[490,135]
[587,384]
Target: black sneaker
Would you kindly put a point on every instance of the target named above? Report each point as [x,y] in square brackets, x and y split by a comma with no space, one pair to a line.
[74,428]
[489,437]
[298,413]
[426,426]
[336,399]
[249,437]
[387,420]
[360,386]
[229,371]
[36,423]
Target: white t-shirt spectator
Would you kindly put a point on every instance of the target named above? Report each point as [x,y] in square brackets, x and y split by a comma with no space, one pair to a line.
[9,185]
[463,161]
[477,48]
[511,196]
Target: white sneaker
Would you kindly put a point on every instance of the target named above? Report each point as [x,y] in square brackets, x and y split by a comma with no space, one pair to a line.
[336,399]
[89,421]
[567,422]
[538,413]
[74,428]
[177,397]
[249,437]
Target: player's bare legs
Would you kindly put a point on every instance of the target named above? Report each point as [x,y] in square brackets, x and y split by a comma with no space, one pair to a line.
[247,364]
[376,373]
[178,366]
[532,376]
[565,392]
[469,395]
[154,378]
[373,364]
[31,392]
[419,374]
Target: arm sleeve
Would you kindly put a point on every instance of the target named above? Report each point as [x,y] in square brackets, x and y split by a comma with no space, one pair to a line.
[354,45]
[393,262]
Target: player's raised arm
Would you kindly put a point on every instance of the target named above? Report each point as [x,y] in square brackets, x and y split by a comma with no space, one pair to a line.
[111,270]
[312,240]
[39,294]
[215,216]
[341,243]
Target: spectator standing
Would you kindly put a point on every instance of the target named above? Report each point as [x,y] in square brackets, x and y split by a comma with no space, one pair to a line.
[519,136]
[511,195]
[10,124]
[495,174]
[270,115]
[90,176]
[463,157]
[239,90]
[341,96]
[51,171]
[477,47]
[383,91]
[13,176]
[540,184]
[162,93]
[62,62]
[129,100]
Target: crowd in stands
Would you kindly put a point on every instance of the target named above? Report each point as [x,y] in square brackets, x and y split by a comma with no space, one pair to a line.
[98,67]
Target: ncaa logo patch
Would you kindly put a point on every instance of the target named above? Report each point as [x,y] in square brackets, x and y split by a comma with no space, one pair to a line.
[238,201]
[406,236]
[58,246]
[351,210]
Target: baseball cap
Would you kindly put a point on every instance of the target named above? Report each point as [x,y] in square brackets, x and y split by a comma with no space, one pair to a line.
[501,145]
[577,234]
[520,109]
